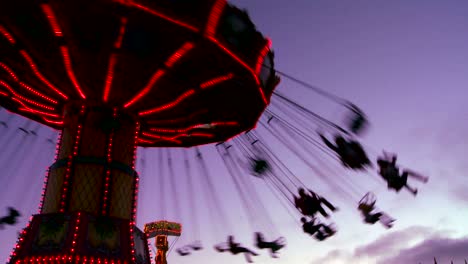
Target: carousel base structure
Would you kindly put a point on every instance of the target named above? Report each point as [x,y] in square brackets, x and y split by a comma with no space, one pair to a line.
[80,238]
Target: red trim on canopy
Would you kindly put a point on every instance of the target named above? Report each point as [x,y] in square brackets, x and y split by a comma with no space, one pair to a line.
[146,134]
[69,68]
[22,84]
[113,59]
[179,54]
[52,20]
[156,76]
[123,26]
[234,56]
[109,77]
[187,94]
[41,77]
[159,14]
[262,56]
[6,85]
[168,105]
[159,73]
[52,121]
[7,35]
[216,81]
[197,126]
[213,19]
[211,26]
[31,110]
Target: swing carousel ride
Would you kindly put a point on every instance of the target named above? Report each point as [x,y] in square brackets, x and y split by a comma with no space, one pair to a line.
[114,75]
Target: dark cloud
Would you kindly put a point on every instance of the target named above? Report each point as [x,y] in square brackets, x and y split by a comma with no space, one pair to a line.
[398,247]
[444,249]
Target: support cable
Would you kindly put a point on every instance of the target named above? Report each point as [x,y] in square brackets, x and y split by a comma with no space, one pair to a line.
[248,185]
[316,89]
[318,117]
[217,211]
[242,195]
[283,139]
[161,177]
[193,204]
[173,185]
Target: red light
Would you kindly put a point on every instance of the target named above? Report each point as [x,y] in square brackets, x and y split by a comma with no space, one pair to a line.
[235,57]
[68,67]
[52,122]
[230,53]
[216,81]
[19,97]
[7,35]
[123,25]
[209,33]
[113,58]
[108,171]
[75,234]
[27,87]
[199,134]
[228,123]
[173,138]
[186,95]
[213,19]
[69,164]
[39,75]
[3,93]
[44,188]
[31,110]
[161,15]
[262,94]
[179,54]
[146,134]
[158,74]
[169,105]
[262,56]
[145,141]
[52,19]
[110,76]
[197,126]
[137,131]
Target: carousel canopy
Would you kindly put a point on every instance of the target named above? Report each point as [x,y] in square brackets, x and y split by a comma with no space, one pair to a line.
[190,72]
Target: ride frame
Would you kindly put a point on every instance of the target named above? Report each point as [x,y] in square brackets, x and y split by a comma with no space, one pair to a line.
[88,207]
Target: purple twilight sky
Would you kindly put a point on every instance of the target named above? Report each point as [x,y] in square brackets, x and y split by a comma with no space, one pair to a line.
[404,62]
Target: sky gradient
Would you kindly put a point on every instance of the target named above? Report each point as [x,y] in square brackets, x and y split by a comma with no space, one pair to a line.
[404,62]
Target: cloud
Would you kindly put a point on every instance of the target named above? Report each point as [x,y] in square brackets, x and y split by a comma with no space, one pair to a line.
[392,242]
[416,244]
[461,193]
[334,257]
[444,249]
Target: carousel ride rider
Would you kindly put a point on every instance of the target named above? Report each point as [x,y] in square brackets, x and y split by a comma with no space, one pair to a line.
[11,218]
[259,166]
[391,174]
[236,248]
[367,208]
[274,246]
[350,152]
[314,227]
[358,121]
[311,203]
